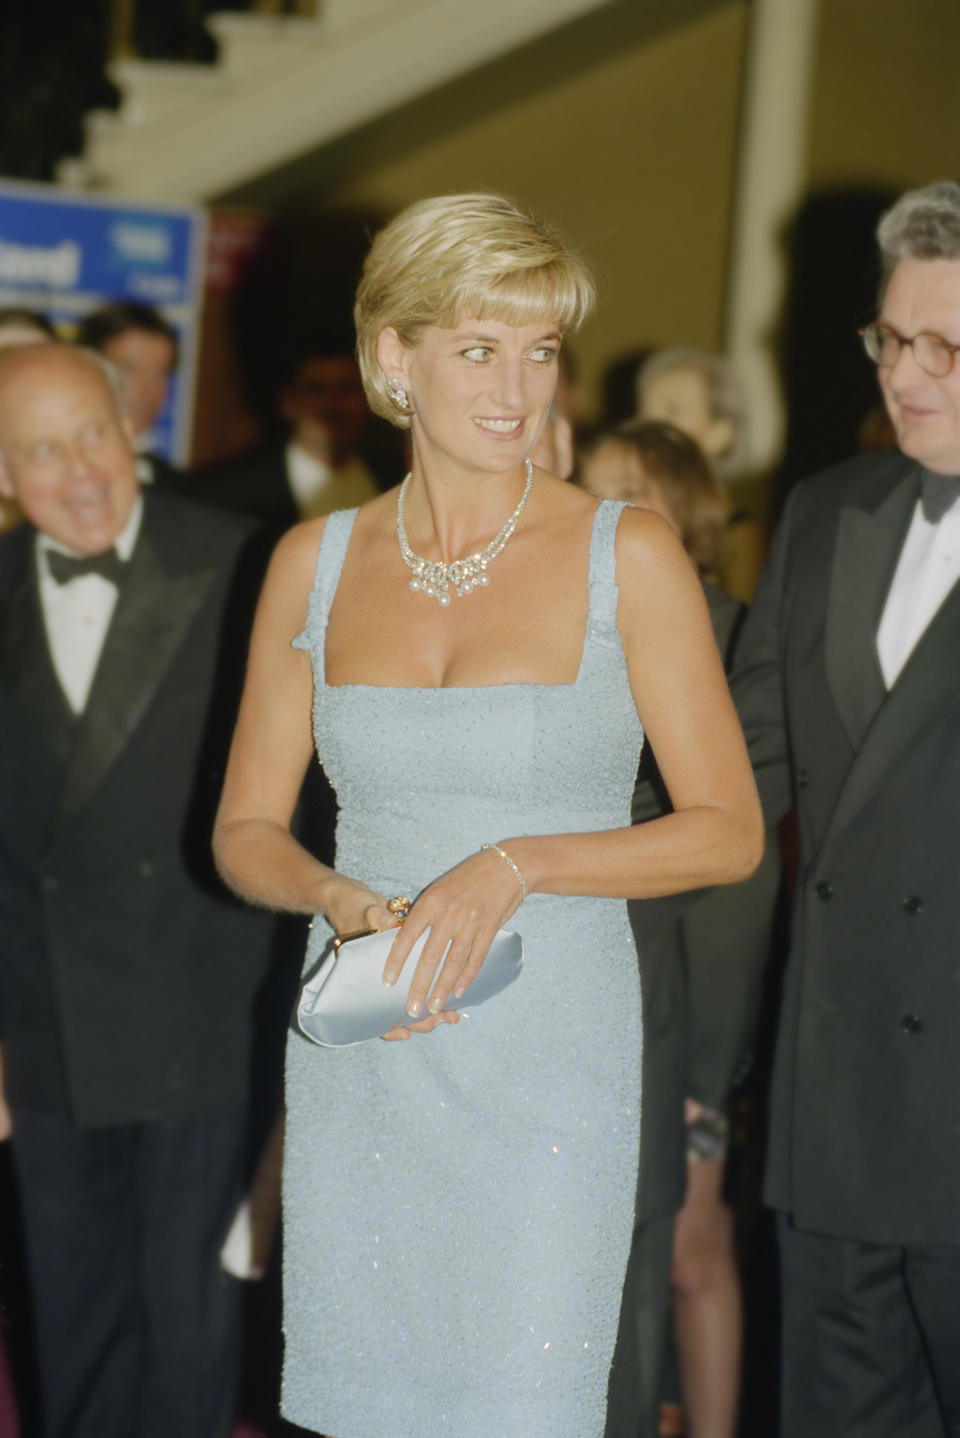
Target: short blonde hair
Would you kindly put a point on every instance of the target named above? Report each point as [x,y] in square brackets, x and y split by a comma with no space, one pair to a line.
[475,254]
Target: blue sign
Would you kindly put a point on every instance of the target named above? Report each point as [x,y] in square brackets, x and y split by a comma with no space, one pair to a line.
[68,254]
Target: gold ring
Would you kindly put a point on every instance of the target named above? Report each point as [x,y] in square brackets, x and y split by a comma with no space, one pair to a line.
[400,906]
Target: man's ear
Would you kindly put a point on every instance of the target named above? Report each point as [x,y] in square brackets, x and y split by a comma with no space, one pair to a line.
[7,490]
[126,424]
[392,354]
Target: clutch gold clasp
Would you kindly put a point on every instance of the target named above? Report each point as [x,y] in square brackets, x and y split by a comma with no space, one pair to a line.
[341,939]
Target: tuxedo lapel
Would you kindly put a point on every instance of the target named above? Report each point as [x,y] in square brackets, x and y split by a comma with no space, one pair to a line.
[25,660]
[928,683]
[884,732]
[865,558]
[153,613]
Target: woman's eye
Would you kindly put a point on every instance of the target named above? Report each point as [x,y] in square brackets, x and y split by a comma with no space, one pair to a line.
[477,353]
[543,354]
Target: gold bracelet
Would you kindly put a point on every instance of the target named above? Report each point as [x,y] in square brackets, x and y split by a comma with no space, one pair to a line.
[496,849]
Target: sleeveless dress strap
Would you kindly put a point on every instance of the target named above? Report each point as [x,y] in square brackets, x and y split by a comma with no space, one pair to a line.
[333,548]
[602,616]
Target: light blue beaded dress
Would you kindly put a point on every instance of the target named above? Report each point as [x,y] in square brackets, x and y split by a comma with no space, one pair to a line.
[458,1208]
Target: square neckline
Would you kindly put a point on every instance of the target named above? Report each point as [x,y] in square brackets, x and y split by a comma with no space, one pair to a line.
[593,580]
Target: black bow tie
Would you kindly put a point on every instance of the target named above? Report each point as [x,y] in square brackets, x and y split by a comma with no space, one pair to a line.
[64,567]
[937,494]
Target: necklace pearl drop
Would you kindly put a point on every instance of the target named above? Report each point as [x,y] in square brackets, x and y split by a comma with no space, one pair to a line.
[433,578]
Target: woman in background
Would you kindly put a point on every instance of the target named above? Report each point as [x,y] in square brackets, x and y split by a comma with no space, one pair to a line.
[701,394]
[702,972]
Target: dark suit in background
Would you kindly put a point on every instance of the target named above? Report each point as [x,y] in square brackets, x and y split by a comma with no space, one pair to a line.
[154,469]
[127,979]
[701,963]
[864,1157]
[258,484]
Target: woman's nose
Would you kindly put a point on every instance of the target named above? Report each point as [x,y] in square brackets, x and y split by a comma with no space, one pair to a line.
[510,387]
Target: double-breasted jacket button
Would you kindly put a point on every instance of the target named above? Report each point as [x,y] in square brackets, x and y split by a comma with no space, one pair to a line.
[803,778]
[824,891]
[145,869]
[912,904]
[51,883]
[911,1024]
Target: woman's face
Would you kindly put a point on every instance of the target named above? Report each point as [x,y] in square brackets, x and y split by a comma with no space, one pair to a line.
[615,471]
[480,392]
[681,396]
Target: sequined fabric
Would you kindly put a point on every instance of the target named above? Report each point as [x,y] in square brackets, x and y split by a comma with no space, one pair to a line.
[458,1209]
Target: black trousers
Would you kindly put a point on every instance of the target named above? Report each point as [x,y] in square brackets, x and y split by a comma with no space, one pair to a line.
[138,1328]
[871,1338]
[633,1393]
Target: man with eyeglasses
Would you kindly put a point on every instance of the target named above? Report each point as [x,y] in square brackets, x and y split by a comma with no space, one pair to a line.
[848,685]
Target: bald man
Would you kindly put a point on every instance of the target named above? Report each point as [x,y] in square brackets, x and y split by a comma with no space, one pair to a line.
[126,974]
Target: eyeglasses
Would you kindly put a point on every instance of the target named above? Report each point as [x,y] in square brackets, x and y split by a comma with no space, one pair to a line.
[932,352]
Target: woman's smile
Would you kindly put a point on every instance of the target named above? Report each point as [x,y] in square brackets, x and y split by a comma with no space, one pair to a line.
[508,428]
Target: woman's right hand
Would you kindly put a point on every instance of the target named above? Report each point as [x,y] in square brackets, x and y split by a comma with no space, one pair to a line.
[351,906]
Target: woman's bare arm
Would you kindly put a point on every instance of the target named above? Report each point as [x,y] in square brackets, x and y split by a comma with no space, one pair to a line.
[715,834]
[272,747]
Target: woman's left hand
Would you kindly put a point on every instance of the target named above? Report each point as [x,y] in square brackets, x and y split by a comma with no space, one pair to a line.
[463,910]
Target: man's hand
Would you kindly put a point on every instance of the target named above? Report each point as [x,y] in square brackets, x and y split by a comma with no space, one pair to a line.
[6,1122]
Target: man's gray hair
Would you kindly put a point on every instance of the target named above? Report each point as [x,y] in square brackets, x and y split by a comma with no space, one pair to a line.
[924,224]
[726,398]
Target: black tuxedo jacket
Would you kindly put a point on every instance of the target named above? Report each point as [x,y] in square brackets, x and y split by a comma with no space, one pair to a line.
[257,484]
[865,1123]
[126,972]
[161,472]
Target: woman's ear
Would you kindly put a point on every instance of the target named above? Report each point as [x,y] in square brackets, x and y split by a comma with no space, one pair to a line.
[392,354]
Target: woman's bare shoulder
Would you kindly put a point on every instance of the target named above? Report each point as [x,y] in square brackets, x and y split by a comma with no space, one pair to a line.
[650,555]
[639,526]
[294,559]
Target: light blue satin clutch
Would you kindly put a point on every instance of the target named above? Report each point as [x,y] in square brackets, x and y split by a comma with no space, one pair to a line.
[347,1002]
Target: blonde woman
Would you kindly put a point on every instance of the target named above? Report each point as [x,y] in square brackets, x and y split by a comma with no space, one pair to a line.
[459,1201]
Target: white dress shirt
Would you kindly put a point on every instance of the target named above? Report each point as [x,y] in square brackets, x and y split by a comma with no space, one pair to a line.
[77,615]
[928,568]
[319,488]
[308,478]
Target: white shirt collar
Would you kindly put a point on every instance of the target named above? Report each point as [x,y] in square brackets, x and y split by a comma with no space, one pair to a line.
[306,474]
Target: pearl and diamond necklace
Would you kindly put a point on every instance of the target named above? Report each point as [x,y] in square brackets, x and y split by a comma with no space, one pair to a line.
[432,577]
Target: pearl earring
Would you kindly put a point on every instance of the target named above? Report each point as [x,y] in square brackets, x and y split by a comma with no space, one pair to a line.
[398,394]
